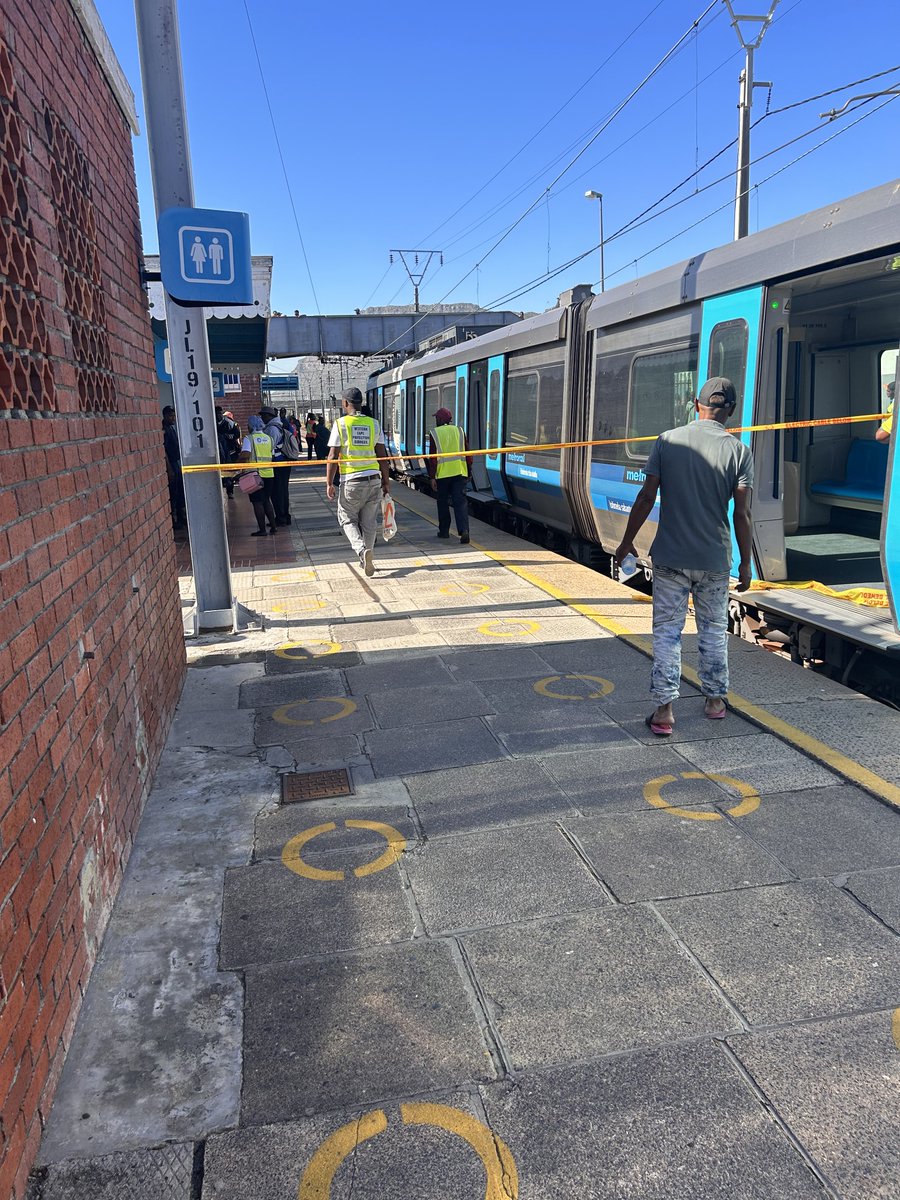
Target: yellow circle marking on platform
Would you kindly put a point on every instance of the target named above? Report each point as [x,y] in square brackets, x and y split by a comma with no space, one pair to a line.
[306,652]
[463,589]
[494,628]
[301,604]
[895,1027]
[542,687]
[283,714]
[292,857]
[496,1158]
[749,804]
[301,576]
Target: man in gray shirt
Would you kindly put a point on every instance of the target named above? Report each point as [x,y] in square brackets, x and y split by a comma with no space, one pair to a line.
[697,469]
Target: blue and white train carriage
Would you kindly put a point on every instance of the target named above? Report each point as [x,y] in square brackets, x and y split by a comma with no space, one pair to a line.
[803,317]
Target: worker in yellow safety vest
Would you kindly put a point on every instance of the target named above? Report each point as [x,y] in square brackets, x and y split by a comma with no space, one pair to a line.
[449,475]
[358,443]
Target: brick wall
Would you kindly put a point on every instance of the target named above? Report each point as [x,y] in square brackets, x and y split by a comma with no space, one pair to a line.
[245,402]
[91,649]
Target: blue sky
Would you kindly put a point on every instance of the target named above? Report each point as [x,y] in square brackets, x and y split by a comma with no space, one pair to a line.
[392,116]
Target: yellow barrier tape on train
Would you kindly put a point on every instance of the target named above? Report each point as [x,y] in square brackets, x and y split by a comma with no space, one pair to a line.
[869,597]
[493,451]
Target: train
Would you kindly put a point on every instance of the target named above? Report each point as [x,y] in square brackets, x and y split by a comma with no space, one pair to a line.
[803,317]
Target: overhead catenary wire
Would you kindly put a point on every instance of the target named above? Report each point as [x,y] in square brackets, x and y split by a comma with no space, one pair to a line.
[605,125]
[281,158]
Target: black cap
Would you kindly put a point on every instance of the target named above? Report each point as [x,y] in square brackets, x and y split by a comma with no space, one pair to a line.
[267,411]
[353,396]
[717,392]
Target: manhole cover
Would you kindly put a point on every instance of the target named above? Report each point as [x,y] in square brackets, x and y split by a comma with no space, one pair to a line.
[314,785]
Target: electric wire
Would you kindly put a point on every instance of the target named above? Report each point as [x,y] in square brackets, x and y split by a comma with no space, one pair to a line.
[605,125]
[532,284]
[547,123]
[378,285]
[281,157]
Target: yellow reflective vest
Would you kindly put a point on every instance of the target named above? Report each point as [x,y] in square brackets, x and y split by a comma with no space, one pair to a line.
[262,453]
[357,436]
[450,439]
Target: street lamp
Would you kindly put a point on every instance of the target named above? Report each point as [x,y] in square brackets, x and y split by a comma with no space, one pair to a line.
[599,196]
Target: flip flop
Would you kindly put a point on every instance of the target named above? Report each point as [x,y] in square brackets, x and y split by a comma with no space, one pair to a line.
[715,716]
[659,730]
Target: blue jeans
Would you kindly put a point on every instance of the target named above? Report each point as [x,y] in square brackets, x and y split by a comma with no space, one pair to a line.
[671,590]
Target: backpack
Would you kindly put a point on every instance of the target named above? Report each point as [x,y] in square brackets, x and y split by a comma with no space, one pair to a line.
[290,446]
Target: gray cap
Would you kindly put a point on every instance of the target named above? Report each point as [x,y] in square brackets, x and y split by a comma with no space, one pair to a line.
[352,396]
[717,392]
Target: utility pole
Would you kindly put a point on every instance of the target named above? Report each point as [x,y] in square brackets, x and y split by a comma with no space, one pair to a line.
[742,187]
[170,165]
[416,276]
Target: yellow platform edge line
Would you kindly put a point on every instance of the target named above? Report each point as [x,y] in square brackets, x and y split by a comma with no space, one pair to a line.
[851,770]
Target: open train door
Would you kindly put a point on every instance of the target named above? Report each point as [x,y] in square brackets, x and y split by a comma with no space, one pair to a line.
[890,526]
[729,346]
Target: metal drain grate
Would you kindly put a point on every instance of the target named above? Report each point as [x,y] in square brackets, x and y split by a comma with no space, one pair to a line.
[314,785]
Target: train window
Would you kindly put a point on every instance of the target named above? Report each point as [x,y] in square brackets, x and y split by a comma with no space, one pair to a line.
[550,405]
[728,357]
[460,401]
[662,393]
[448,398]
[419,416]
[521,409]
[493,403]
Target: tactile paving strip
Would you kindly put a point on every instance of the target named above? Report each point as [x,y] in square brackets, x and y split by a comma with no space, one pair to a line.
[162,1173]
[314,785]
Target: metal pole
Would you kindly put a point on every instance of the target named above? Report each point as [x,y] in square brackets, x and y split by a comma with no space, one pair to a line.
[602,271]
[742,186]
[170,165]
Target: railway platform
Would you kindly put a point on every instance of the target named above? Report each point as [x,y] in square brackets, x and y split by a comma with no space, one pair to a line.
[420,907]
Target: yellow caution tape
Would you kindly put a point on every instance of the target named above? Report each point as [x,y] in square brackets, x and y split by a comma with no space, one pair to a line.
[869,597]
[537,449]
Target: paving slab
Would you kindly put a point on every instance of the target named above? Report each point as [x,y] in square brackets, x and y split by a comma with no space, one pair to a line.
[553,697]
[216,687]
[428,704]
[836,1085]
[612,778]
[307,753]
[568,988]
[274,829]
[300,659]
[879,891]
[671,1124]
[499,877]
[792,952]
[405,1158]
[385,676]
[691,723]
[655,855]
[765,678]
[269,692]
[160,1173]
[825,831]
[356,1028]
[626,668]
[294,722]
[431,747]
[861,728]
[383,630]
[270,914]
[764,762]
[508,662]
[472,797]
[557,730]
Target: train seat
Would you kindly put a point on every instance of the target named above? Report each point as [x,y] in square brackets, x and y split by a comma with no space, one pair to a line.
[865,473]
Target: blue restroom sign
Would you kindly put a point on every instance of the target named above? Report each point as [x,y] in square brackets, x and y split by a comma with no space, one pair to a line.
[204,256]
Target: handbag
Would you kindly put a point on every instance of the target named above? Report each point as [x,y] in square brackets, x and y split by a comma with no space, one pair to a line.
[250,482]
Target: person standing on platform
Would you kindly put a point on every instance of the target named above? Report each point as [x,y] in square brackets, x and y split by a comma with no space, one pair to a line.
[364,475]
[257,447]
[229,438]
[311,435]
[449,476]
[323,433]
[698,469]
[281,490]
[173,468]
